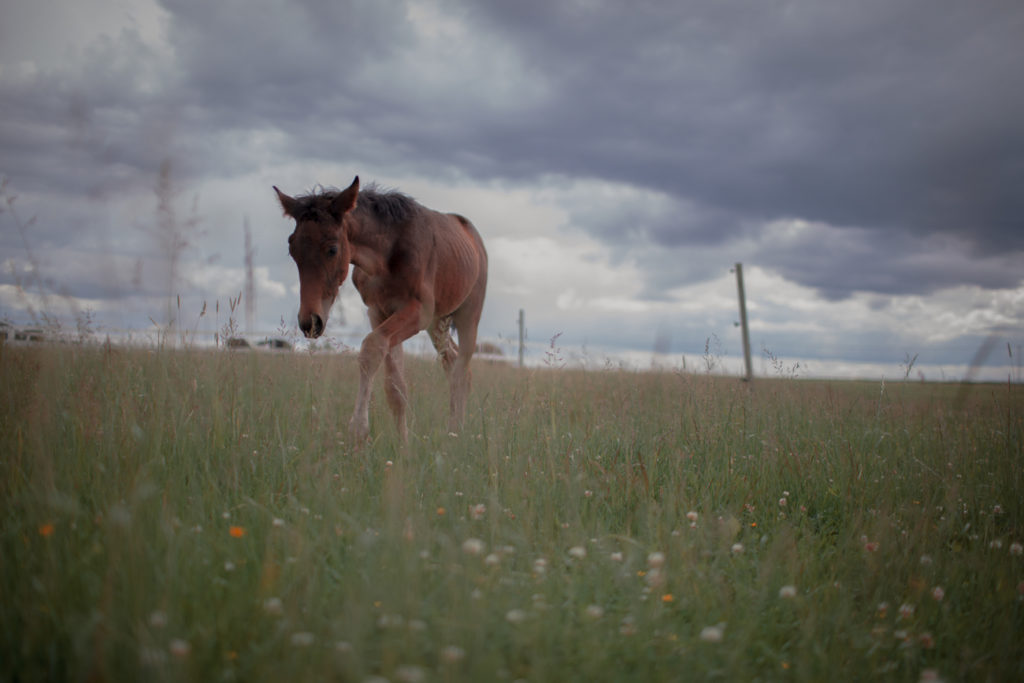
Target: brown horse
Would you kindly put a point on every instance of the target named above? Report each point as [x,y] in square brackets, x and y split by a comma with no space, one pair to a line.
[415,269]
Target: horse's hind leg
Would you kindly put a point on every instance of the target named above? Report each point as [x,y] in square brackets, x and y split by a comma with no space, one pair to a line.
[460,378]
[441,337]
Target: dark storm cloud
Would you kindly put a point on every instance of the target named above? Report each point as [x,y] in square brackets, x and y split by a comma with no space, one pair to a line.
[298,69]
[837,261]
[902,115]
[892,122]
[72,129]
[274,61]
[894,118]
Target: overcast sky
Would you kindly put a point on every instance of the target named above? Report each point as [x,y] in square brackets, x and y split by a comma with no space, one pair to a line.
[863,160]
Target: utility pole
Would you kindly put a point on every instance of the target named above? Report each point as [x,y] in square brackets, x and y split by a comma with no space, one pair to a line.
[250,280]
[743,324]
[522,335]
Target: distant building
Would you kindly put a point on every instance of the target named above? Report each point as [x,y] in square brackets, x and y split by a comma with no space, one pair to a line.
[275,344]
[30,334]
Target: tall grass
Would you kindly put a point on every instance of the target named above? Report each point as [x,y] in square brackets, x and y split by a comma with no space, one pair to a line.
[177,515]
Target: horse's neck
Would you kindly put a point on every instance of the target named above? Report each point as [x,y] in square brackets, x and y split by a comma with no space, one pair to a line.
[371,243]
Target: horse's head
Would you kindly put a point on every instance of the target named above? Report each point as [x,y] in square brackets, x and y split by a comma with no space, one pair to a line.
[320,248]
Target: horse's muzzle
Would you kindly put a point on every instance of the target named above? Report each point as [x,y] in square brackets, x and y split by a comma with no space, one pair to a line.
[312,327]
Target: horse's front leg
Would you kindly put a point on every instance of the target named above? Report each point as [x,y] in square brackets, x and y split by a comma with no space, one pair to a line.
[371,352]
[375,348]
[395,389]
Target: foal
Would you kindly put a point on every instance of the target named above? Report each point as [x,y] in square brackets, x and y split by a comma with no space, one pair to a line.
[415,269]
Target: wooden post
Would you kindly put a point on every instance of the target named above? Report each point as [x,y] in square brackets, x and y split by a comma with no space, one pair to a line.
[743,324]
[250,281]
[522,335]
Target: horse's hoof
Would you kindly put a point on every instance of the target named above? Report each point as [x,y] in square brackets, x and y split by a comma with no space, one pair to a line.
[360,434]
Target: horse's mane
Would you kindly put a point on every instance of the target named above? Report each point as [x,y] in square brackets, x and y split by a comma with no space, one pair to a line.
[387,206]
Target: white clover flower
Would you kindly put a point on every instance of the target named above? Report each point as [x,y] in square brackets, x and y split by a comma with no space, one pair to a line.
[515,616]
[390,621]
[787,592]
[410,674]
[577,552]
[655,578]
[595,612]
[303,639]
[656,560]
[473,546]
[452,654]
[712,634]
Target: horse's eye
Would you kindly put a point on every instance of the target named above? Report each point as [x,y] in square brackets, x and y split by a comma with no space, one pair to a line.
[332,250]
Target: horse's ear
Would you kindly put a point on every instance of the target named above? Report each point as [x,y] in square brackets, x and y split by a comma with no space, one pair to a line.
[346,200]
[289,204]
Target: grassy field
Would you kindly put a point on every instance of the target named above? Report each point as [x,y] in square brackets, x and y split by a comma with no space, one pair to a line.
[199,515]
